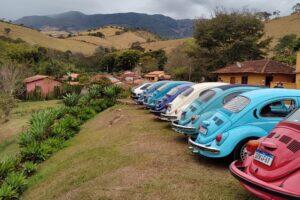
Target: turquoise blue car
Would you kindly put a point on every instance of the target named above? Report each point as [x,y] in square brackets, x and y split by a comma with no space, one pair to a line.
[159,93]
[205,106]
[154,86]
[250,115]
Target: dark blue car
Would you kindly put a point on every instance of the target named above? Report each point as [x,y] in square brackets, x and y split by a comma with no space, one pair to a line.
[161,105]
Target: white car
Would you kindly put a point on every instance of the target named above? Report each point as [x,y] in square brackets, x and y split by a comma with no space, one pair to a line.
[175,109]
[138,90]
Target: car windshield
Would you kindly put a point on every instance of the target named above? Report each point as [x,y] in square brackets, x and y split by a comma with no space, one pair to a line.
[206,96]
[294,117]
[145,86]
[173,91]
[237,104]
[187,92]
[162,87]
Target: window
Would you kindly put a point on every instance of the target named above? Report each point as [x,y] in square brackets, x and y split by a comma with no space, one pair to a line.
[230,97]
[187,92]
[145,86]
[237,104]
[244,79]
[161,88]
[279,108]
[173,91]
[294,117]
[206,96]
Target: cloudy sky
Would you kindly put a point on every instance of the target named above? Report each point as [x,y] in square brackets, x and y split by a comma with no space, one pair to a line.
[13,9]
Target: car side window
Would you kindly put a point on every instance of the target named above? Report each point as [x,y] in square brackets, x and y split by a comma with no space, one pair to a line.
[230,97]
[280,108]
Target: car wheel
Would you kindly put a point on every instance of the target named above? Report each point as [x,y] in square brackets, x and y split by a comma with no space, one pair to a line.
[240,151]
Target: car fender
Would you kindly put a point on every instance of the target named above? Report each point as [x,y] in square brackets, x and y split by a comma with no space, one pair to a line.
[238,134]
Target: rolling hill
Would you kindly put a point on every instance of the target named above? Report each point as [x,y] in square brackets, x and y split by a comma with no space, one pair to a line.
[74,21]
[36,38]
[282,26]
[86,44]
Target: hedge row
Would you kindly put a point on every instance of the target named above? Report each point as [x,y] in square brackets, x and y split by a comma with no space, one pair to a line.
[47,133]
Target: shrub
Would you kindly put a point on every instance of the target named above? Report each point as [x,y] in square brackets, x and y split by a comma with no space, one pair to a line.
[71,99]
[33,152]
[7,192]
[95,91]
[66,127]
[99,104]
[17,181]
[7,165]
[29,168]
[86,113]
[70,89]
[84,101]
[40,123]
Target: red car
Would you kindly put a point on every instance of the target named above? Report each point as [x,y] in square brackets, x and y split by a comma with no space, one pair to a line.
[272,169]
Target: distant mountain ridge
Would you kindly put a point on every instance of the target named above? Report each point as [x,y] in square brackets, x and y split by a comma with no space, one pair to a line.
[161,25]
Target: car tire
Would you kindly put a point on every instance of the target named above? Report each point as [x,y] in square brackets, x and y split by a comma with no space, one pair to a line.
[239,152]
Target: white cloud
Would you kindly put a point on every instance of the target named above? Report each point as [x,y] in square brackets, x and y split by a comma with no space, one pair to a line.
[174,8]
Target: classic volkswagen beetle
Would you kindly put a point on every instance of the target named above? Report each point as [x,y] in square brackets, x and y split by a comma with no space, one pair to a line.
[205,105]
[161,92]
[249,115]
[272,169]
[138,90]
[154,86]
[175,108]
[169,97]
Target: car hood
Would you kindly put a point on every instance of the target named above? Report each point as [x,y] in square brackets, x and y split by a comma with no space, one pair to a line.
[284,144]
[218,123]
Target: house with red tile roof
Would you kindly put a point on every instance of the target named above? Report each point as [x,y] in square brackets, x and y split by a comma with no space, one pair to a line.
[258,72]
[157,76]
[46,84]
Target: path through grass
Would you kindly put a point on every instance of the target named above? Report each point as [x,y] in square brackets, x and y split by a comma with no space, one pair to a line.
[124,153]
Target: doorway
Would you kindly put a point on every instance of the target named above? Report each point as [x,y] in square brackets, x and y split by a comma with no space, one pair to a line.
[268,81]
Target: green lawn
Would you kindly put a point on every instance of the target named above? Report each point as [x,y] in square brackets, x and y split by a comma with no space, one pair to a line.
[18,122]
[124,153]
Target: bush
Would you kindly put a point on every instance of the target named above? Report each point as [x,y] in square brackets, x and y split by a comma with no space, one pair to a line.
[84,101]
[71,99]
[17,181]
[99,104]
[66,127]
[34,152]
[7,192]
[40,123]
[29,168]
[86,113]
[95,91]
[7,165]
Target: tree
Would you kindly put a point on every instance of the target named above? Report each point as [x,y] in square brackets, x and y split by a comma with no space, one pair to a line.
[148,63]
[108,62]
[276,13]
[227,38]
[127,60]
[137,46]
[11,76]
[7,31]
[296,8]
[265,16]
[285,50]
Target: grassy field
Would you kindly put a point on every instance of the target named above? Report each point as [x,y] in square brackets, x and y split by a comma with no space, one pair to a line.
[17,123]
[280,27]
[36,38]
[125,153]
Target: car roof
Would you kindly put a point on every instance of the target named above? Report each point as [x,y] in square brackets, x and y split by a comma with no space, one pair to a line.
[208,84]
[266,94]
[227,87]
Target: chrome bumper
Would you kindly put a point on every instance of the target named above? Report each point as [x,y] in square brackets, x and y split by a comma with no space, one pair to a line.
[169,118]
[196,147]
[187,130]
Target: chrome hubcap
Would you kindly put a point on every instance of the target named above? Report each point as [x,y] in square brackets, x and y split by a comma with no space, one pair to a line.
[243,152]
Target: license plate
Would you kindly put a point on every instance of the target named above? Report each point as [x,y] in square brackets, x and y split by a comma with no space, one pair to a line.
[203,130]
[263,157]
